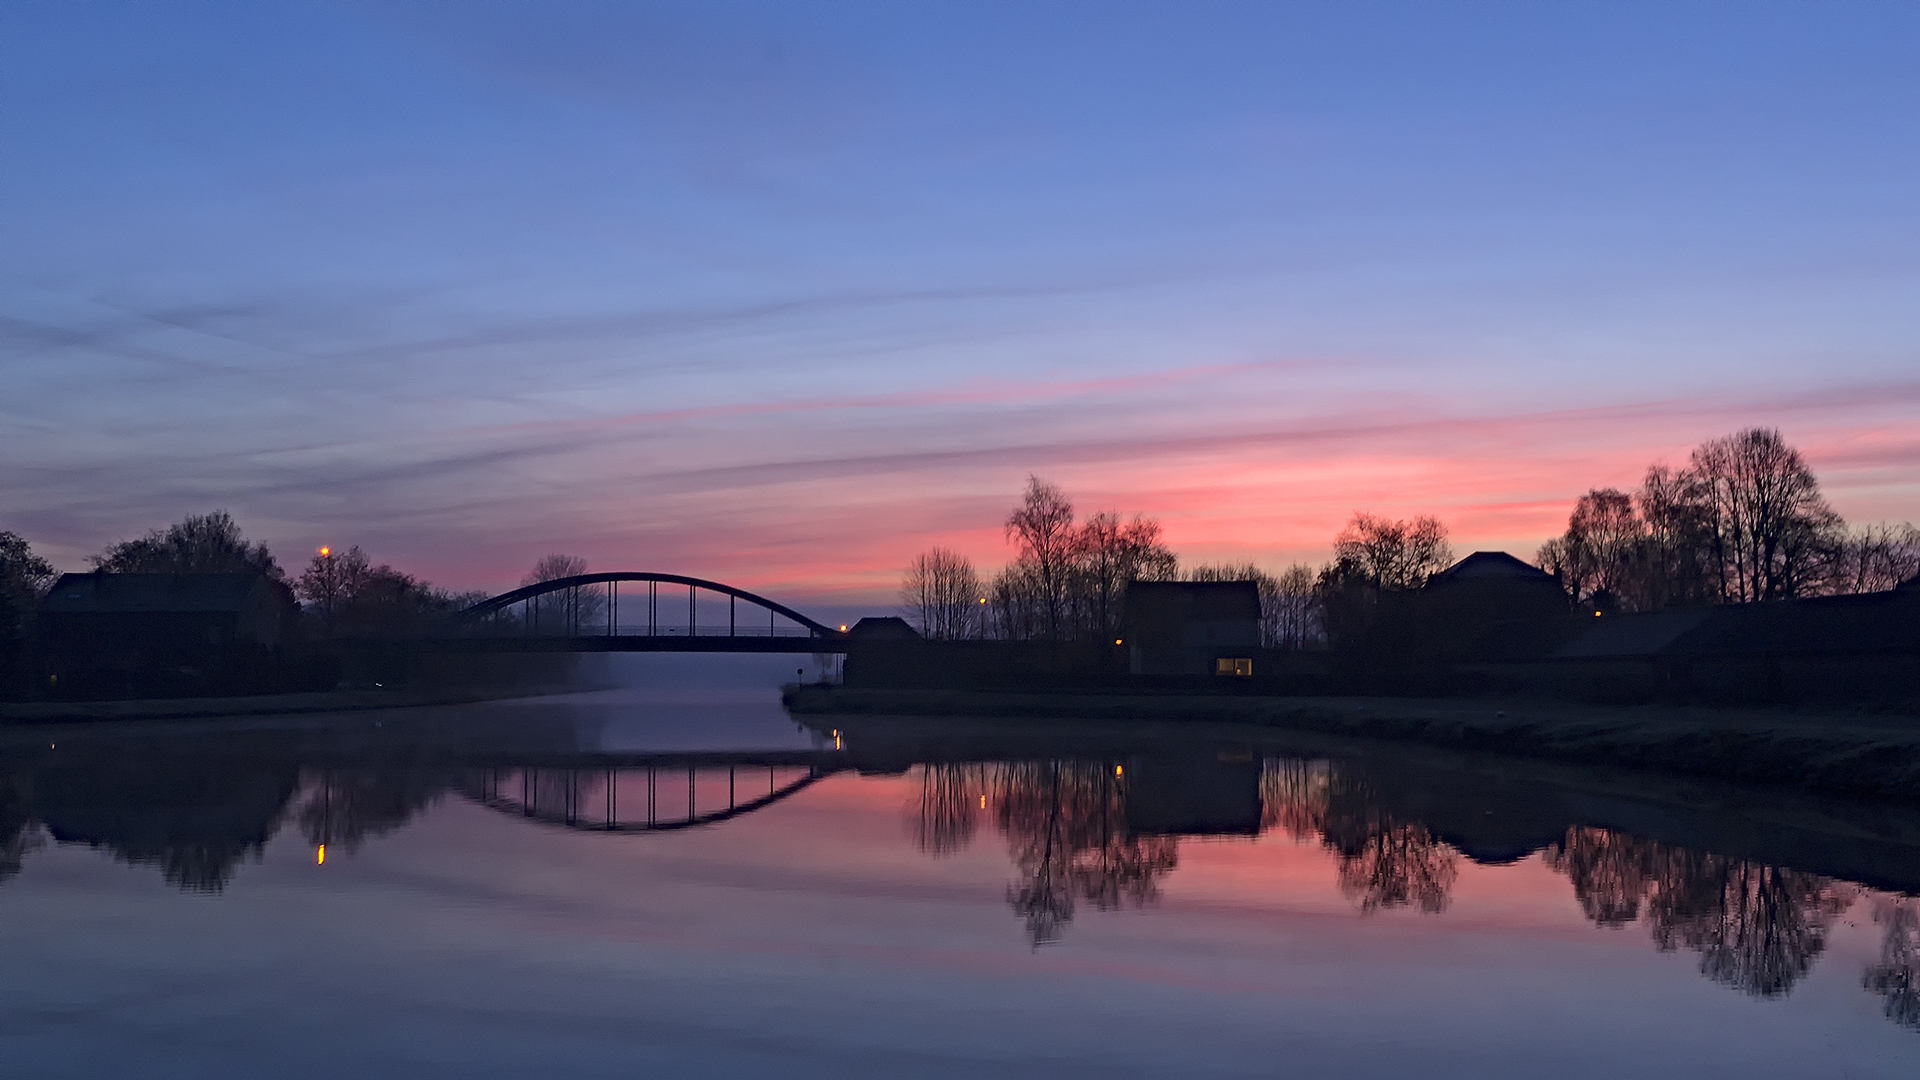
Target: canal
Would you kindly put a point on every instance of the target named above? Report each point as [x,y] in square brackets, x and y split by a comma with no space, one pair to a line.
[679,879]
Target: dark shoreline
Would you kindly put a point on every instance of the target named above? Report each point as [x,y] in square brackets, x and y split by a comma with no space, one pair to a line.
[324,701]
[1860,755]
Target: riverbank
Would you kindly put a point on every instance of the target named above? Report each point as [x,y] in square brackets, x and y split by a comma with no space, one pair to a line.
[69,712]
[1857,754]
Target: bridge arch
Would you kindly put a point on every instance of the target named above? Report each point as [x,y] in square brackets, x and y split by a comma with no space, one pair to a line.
[571,587]
[604,799]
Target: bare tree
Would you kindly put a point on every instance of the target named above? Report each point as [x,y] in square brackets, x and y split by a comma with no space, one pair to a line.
[1393,554]
[1673,512]
[1875,558]
[943,596]
[1043,526]
[1110,553]
[1292,618]
[1017,603]
[563,612]
[1771,526]
[348,594]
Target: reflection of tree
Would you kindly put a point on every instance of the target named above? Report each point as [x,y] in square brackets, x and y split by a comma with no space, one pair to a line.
[1066,824]
[1386,865]
[1757,928]
[1897,976]
[946,814]
[1293,796]
[1385,861]
[1611,873]
[345,807]
[19,836]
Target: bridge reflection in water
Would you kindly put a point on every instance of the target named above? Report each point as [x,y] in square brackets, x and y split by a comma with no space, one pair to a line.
[639,798]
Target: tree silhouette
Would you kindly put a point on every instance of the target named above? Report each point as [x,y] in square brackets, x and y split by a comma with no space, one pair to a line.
[1109,553]
[1069,582]
[1043,527]
[1392,555]
[203,544]
[1375,560]
[1771,526]
[941,595]
[24,578]
[350,595]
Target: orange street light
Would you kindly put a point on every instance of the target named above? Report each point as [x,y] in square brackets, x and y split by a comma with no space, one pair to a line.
[326,552]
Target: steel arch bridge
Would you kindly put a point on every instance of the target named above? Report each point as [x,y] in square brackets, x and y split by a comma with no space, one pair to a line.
[584,613]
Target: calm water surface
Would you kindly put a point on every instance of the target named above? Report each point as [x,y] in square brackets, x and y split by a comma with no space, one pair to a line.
[687,880]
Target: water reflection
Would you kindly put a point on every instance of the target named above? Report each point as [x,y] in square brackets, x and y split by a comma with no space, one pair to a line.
[1897,976]
[1757,928]
[1082,830]
[1386,860]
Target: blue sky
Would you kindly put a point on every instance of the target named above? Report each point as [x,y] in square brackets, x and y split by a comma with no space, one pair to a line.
[784,293]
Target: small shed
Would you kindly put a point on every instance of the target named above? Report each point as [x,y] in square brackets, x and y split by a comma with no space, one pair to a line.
[1192,627]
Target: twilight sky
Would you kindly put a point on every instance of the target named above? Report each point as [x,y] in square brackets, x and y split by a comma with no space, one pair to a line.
[782,294]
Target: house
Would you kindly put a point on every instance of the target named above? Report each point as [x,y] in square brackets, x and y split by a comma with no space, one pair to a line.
[1861,646]
[1191,627]
[1480,605]
[161,633]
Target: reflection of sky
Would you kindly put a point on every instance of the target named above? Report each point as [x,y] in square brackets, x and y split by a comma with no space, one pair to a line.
[780,295]
[812,939]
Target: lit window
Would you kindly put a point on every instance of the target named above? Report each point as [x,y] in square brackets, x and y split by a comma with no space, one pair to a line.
[1236,665]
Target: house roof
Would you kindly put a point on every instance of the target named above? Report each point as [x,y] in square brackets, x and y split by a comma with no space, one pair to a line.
[1193,599]
[120,593]
[885,626]
[1866,623]
[1491,564]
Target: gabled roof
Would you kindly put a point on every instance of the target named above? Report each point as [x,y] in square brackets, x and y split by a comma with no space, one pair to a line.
[1491,564]
[885,626]
[119,593]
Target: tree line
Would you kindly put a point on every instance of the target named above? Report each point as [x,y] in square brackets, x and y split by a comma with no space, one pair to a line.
[1743,521]
[341,592]
[1068,579]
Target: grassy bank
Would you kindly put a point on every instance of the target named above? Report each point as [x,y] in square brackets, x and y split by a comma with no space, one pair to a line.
[1863,754]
